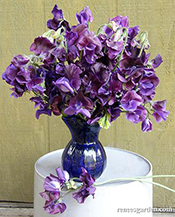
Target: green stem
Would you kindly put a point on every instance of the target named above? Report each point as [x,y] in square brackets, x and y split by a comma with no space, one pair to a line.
[140,180]
[124,45]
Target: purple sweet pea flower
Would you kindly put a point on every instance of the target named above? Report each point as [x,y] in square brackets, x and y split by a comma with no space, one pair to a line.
[114,111]
[137,115]
[54,208]
[131,100]
[44,110]
[51,183]
[72,72]
[17,75]
[62,175]
[157,61]
[20,60]
[52,194]
[64,85]
[114,48]
[58,17]
[90,44]
[148,84]
[41,45]
[86,178]
[147,125]
[79,104]
[85,16]
[160,112]
[57,101]
[87,189]
[121,21]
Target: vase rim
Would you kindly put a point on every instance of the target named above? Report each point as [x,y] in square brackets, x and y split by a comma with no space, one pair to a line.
[79,118]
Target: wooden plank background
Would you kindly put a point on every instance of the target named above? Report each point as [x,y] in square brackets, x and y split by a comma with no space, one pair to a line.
[23,139]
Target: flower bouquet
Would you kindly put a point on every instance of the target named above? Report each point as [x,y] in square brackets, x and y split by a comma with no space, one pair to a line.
[95,76]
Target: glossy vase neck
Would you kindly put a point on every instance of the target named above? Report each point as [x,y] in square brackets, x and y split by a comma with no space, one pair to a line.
[81,131]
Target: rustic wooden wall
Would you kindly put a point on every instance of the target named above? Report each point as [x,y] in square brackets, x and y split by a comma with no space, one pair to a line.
[23,139]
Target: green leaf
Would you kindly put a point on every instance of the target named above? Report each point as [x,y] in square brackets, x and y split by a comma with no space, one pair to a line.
[104,121]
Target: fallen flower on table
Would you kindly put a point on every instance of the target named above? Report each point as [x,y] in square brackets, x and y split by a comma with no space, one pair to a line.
[57,186]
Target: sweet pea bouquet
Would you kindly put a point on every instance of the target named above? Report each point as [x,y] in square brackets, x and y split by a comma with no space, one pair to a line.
[97,76]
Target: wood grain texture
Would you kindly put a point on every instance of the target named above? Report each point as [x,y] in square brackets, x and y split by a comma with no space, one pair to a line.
[23,138]
[158,18]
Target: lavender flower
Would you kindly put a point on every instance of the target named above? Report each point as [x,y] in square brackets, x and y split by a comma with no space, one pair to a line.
[160,112]
[131,100]
[147,125]
[85,16]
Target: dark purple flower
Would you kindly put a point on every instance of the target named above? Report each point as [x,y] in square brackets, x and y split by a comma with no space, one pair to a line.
[41,45]
[90,45]
[83,193]
[147,125]
[57,101]
[87,189]
[20,60]
[157,61]
[79,104]
[148,84]
[72,72]
[114,111]
[59,53]
[17,75]
[45,110]
[160,112]
[85,16]
[137,115]
[56,21]
[96,114]
[131,100]
[86,178]
[114,48]
[36,77]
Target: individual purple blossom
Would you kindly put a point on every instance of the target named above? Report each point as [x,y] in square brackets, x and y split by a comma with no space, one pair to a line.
[114,48]
[90,45]
[147,125]
[157,61]
[137,115]
[121,21]
[87,189]
[41,45]
[160,112]
[17,75]
[72,72]
[64,85]
[58,18]
[148,84]
[131,100]
[54,208]
[52,194]
[20,60]
[85,16]
[79,104]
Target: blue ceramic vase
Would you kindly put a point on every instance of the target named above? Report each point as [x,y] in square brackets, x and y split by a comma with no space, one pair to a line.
[84,149]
